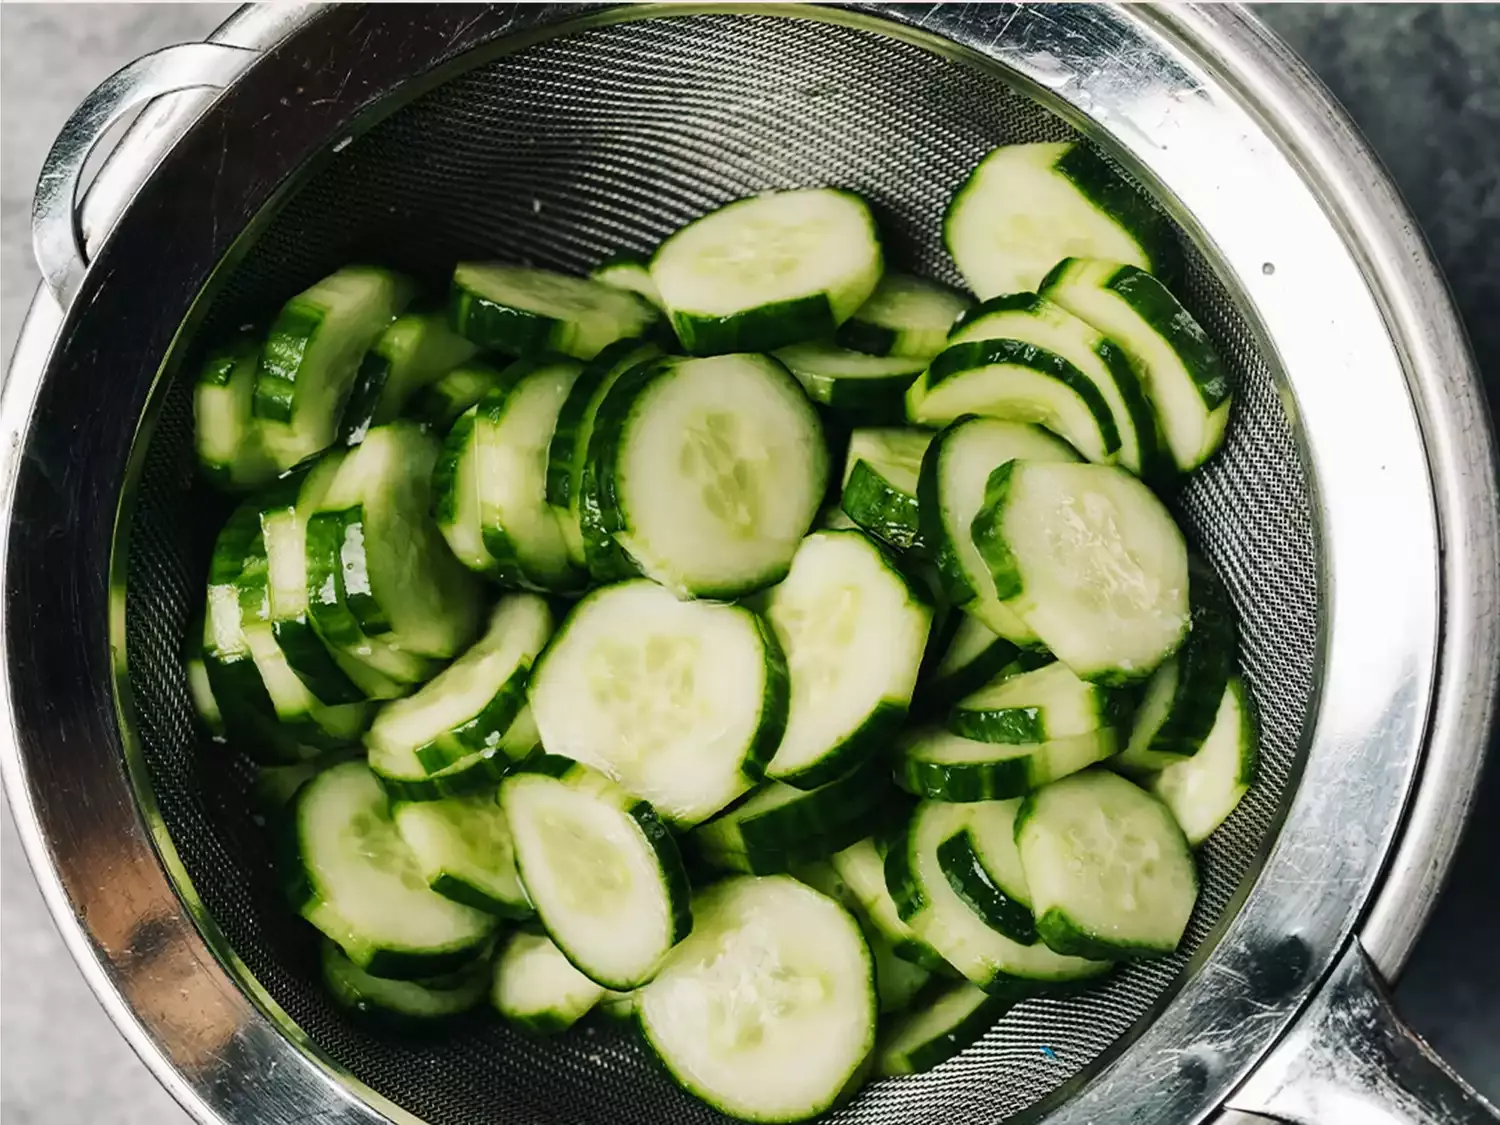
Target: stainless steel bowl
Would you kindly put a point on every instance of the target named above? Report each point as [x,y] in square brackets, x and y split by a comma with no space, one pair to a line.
[1354,514]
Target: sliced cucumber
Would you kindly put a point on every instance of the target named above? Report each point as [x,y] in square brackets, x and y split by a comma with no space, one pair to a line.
[880,484]
[537,988]
[779,817]
[680,702]
[627,272]
[312,353]
[1182,698]
[1091,560]
[479,772]
[951,491]
[601,868]
[362,887]
[1110,872]
[790,857]
[618,1007]
[403,1000]
[955,1018]
[439,404]
[931,907]
[767,1011]
[868,386]
[200,689]
[455,493]
[853,630]
[1037,321]
[398,576]
[862,867]
[525,312]
[1043,705]
[275,787]
[906,315]
[230,445]
[1019,382]
[983,866]
[469,706]
[1026,206]
[1203,790]
[942,766]
[513,429]
[1188,383]
[463,846]
[415,350]
[712,471]
[768,271]
[975,656]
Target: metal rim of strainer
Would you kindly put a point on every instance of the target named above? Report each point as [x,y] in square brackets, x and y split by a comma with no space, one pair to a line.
[1204,106]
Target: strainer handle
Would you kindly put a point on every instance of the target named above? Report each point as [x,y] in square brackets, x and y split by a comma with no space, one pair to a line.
[1351,1060]
[56,233]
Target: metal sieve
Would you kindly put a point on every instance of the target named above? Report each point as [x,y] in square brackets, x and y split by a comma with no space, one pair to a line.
[1353,512]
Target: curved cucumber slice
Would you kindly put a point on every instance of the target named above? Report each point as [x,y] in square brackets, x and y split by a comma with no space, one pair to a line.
[463,846]
[880,484]
[537,988]
[625,271]
[230,447]
[768,271]
[478,772]
[779,817]
[954,1019]
[1043,705]
[524,311]
[931,907]
[1027,206]
[853,630]
[1203,790]
[951,491]
[905,316]
[200,689]
[416,349]
[1037,321]
[455,494]
[712,471]
[790,858]
[786,1047]
[680,702]
[983,866]
[1091,560]
[1110,872]
[946,767]
[1187,381]
[363,888]
[862,867]
[867,385]
[600,866]
[975,656]
[312,353]
[439,404]
[405,1000]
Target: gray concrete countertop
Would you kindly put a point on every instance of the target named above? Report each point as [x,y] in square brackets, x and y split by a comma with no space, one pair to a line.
[1423,81]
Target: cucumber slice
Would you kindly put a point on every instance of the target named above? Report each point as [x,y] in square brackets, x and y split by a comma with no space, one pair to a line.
[439,404]
[538,989]
[1027,206]
[230,446]
[983,866]
[275,787]
[415,350]
[200,689]
[1035,320]
[600,866]
[469,706]
[869,386]
[1187,381]
[1110,872]
[1182,697]
[682,703]
[524,311]
[712,471]
[1019,382]
[1203,790]
[954,1019]
[463,846]
[362,887]
[853,630]
[768,271]
[618,1007]
[906,315]
[627,272]
[880,484]
[398,576]
[778,817]
[312,353]
[975,656]
[1043,705]
[950,492]
[767,1011]
[479,772]
[1091,560]
[941,766]
[403,1001]
[455,494]
[862,867]
[931,907]
[789,858]
[513,430]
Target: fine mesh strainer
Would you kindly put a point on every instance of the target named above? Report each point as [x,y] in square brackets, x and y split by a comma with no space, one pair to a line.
[556,135]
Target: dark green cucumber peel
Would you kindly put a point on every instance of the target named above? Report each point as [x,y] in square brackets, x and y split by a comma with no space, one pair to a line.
[862,336]
[962,782]
[882,509]
[467,894]
[761,329]
[967,875]
[598,516]
[1205,662]
[1156,458]
[940,548]
[479,771]
[445,470]
[782,861]
[775,702]
[359,595]
[499,327]
[988,531]
[1109,191]
[801,819]
[868,739]
[222,362]
[1005,302]
[454,994]
[325,581]
[1154,304]
[486,729]
[563,453]
[439,405]
[1012,725]
[958,1038]
[281,359]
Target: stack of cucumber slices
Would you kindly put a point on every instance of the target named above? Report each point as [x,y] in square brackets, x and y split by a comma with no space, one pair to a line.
[568,691]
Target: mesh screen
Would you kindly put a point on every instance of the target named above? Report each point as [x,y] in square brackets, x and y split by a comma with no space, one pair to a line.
[559,155]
